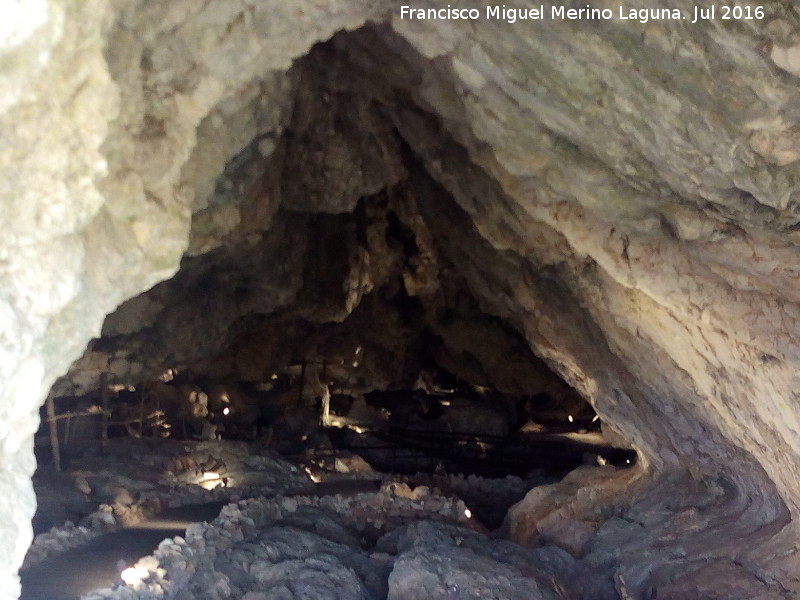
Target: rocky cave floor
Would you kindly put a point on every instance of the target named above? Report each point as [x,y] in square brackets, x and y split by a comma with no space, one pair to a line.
[295,529]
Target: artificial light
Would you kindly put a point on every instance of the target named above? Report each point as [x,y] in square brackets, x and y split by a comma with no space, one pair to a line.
[133,575]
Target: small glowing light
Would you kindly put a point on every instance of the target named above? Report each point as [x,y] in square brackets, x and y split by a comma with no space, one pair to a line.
[358,350]
[210,480]
[311,475]
[226,411]
[133,575]
[224,397]
[445,402]
[274,376]
[596,417]
[468,513]
[570,419]
[355,363]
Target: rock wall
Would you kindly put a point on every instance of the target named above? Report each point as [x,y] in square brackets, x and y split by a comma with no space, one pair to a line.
[102,105]
[56,102]
[624,194]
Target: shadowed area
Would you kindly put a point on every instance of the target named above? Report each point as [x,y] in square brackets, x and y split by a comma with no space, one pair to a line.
[96,564]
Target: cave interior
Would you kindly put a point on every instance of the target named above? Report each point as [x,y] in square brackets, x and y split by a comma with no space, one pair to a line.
[432,314]
[334,323]
[346,328]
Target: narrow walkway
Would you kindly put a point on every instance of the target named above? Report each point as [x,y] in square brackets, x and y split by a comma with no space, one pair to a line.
[94,565]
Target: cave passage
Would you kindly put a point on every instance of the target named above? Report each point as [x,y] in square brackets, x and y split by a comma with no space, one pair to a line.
[413,377]
[342,337]
[414,381]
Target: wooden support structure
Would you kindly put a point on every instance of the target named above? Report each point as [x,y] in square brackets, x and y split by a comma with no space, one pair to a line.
[51,420]
[105,413]
[70,432]
[75,414]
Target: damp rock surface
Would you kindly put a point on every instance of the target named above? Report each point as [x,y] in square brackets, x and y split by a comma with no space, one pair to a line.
[136,479]
[624,196]
[303,547]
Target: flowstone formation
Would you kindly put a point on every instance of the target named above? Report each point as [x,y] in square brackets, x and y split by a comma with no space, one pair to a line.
[625,196]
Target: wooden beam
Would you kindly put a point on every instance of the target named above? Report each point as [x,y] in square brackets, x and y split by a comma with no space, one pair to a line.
[51,420]
[77,413]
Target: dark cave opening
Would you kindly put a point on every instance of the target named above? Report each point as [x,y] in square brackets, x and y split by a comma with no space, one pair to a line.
[350,327]
[414,380]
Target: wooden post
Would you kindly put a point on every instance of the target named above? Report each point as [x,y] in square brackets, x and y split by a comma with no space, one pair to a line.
[104,405]
[53,424]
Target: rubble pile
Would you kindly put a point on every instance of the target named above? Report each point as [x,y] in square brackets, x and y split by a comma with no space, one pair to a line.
[69,535]
[398,543]
[438,560]
[136,479]
[489,498]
